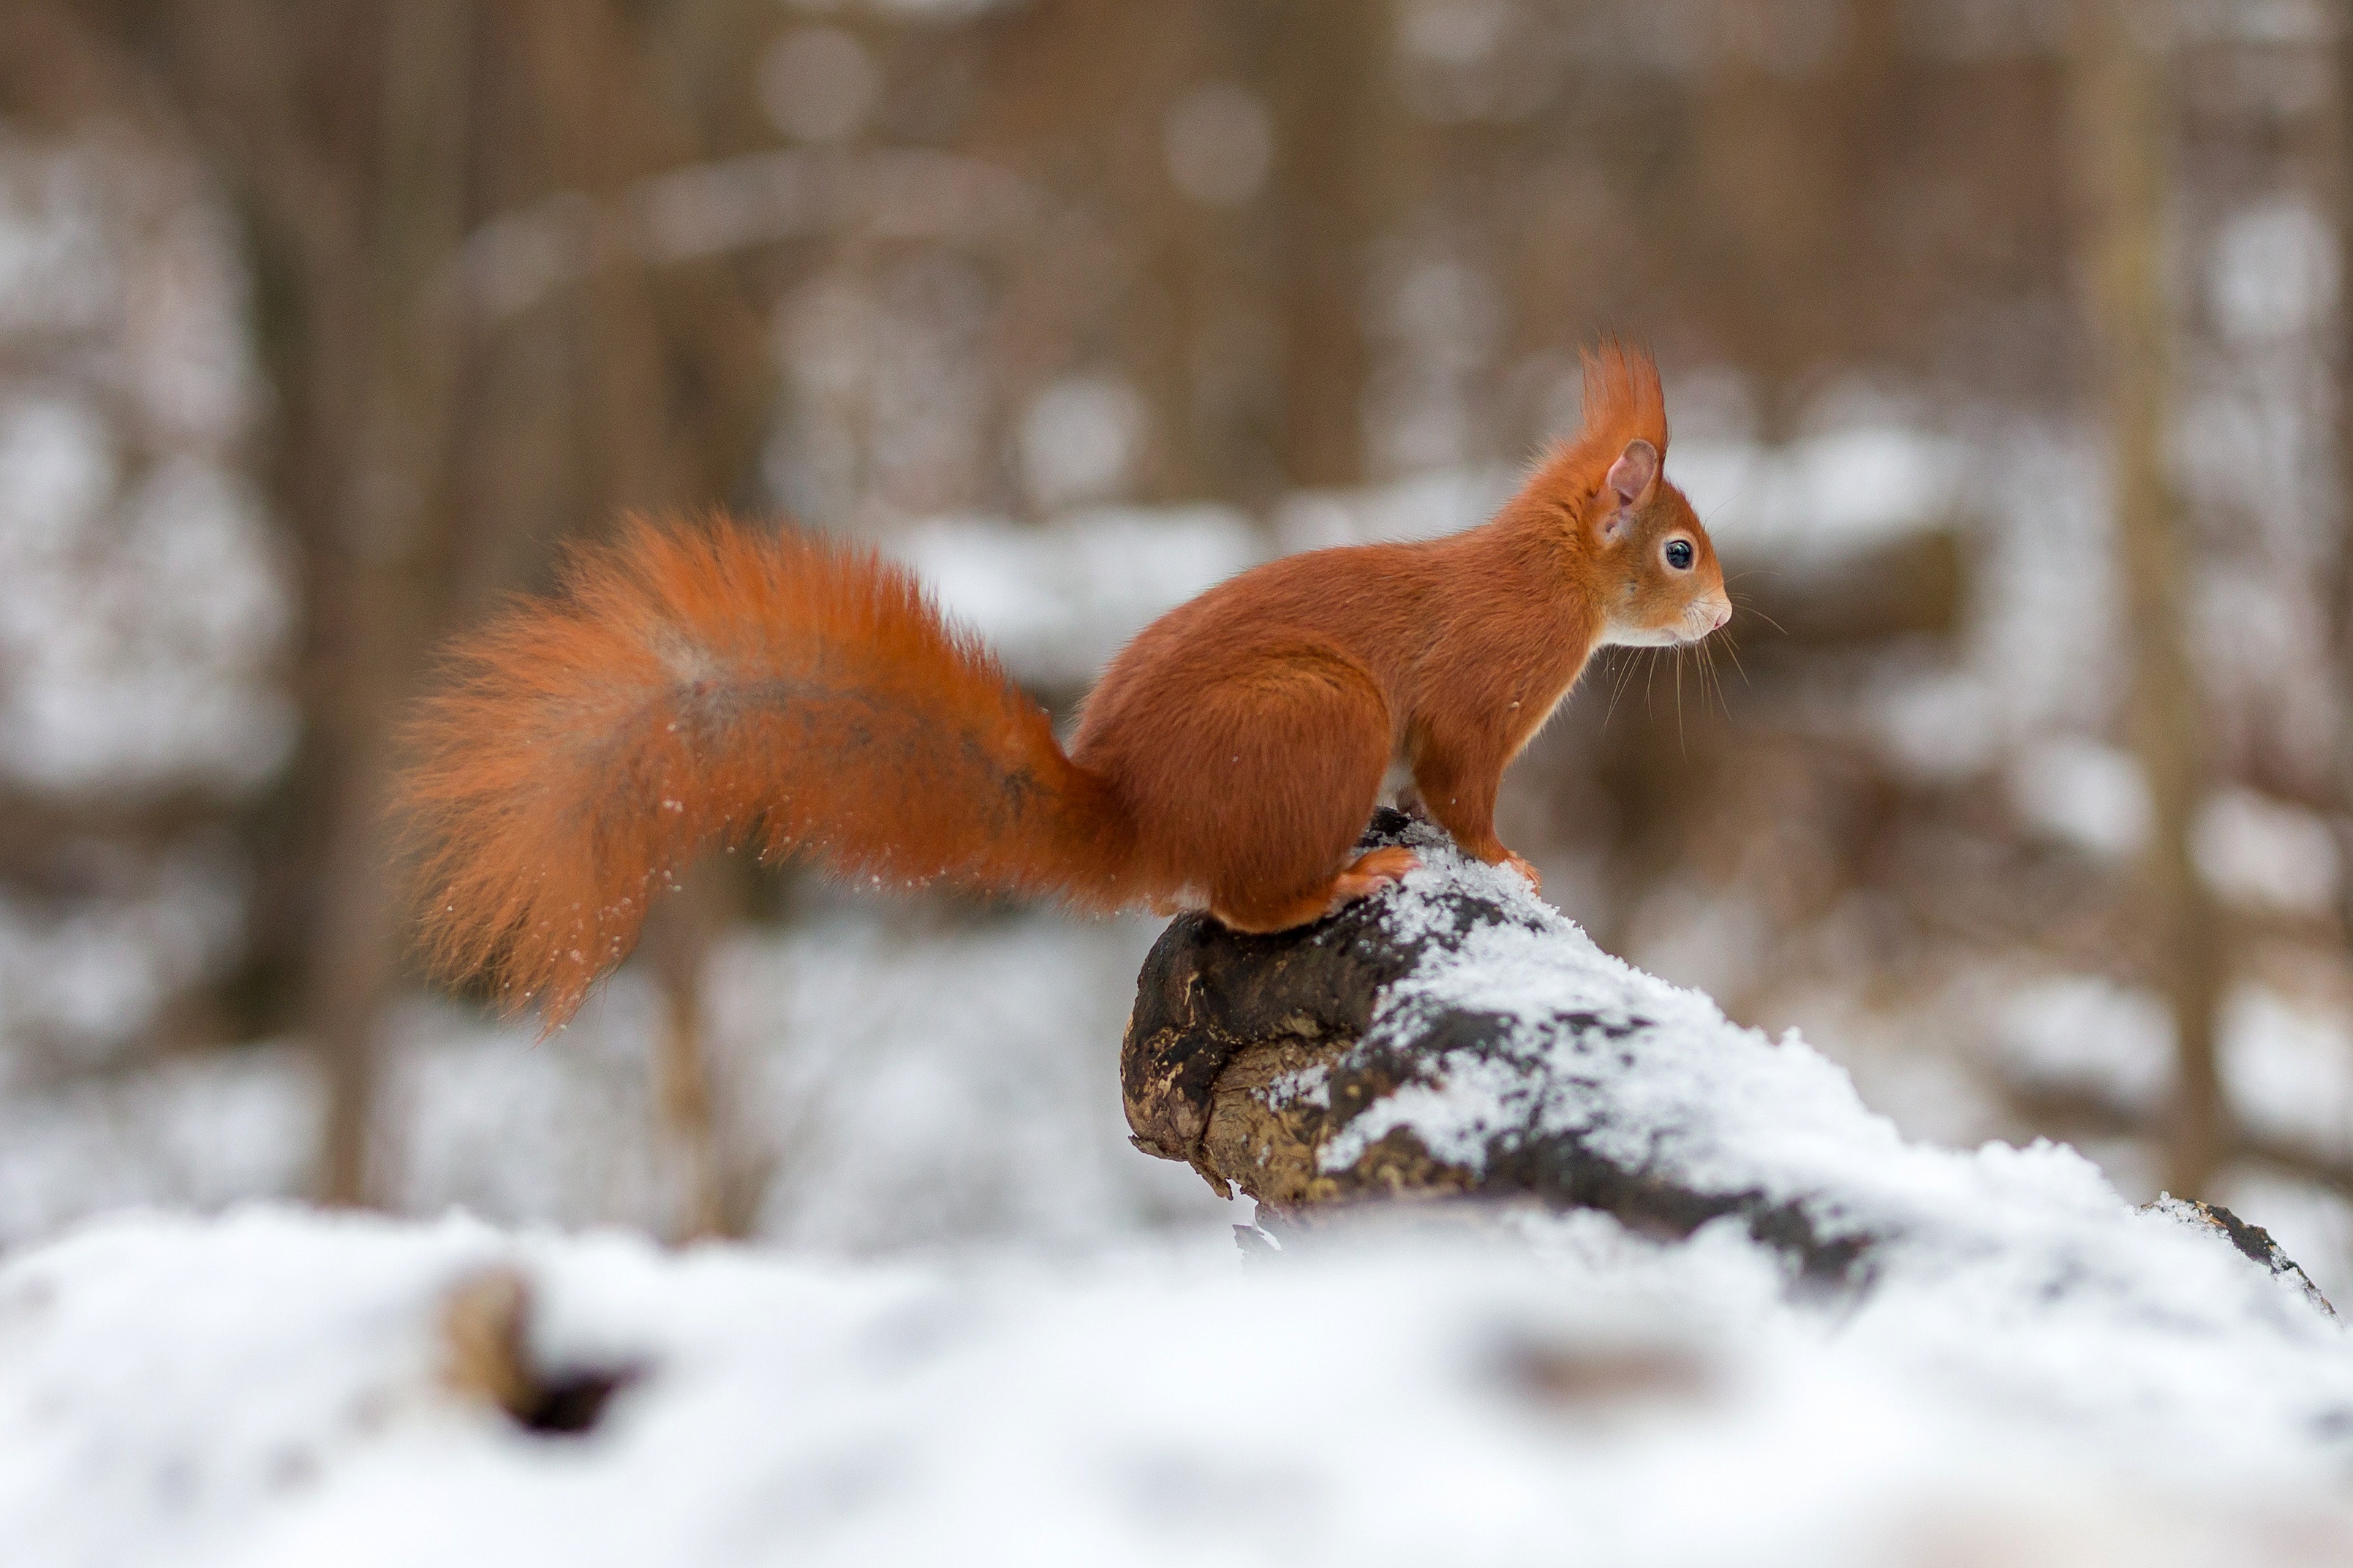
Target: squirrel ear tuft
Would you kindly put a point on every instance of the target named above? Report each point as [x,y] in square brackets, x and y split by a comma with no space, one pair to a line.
[1628,480]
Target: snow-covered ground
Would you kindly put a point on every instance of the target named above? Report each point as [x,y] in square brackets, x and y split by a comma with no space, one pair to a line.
[2018,1366]
[273,1388]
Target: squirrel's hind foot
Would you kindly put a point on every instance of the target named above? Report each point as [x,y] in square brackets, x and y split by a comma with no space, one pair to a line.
[1367,873]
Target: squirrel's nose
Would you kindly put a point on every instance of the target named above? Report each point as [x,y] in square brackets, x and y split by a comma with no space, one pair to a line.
[1722,614]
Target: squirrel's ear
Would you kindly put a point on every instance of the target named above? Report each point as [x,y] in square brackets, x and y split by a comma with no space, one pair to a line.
[1627,481]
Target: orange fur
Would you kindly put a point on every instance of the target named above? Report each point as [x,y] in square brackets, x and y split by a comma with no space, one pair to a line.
[709,685]
[691,687]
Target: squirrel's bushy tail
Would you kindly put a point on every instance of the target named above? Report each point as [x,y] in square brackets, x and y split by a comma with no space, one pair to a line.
[697,685]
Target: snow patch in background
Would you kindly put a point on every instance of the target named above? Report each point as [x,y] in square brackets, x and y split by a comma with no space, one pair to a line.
[1821,498]
[882,1086]
[139,635]
[2086,1035]
[2288,1068]
[2265,853]
[1081,439]
[1057,601]
[2082,793]
[816,84]
[83,980]
[2273,270]
[144,613]
[200,1133]
[1218,141]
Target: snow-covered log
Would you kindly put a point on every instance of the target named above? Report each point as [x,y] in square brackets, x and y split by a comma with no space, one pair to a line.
[1457,1037]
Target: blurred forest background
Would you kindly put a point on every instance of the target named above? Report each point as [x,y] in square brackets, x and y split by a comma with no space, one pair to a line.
[2006,357]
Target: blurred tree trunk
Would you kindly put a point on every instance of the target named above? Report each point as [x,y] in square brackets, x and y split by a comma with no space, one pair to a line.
[1331,83]
[2341,608]
[384,555]
[2125,129]
[689,1130]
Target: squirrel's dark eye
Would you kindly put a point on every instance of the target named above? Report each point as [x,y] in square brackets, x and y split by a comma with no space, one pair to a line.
[1679,554]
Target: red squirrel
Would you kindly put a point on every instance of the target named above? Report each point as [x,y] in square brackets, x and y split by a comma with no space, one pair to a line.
[698,685]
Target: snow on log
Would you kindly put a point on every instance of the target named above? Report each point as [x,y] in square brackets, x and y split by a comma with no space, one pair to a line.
[1457,1037]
